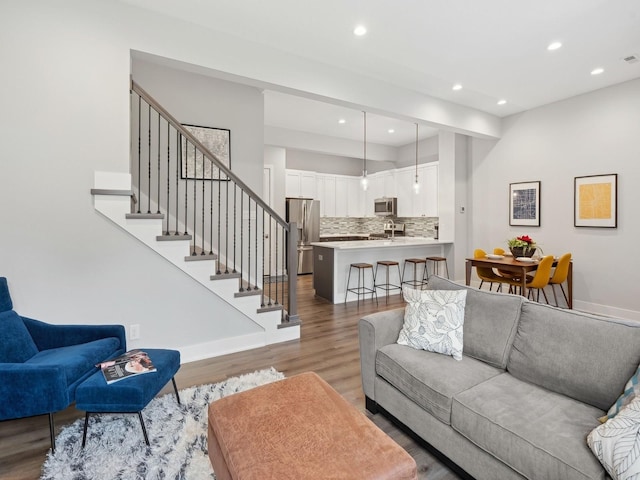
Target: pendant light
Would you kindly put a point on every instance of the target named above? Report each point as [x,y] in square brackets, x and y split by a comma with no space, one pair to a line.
[416,184]
[364,181]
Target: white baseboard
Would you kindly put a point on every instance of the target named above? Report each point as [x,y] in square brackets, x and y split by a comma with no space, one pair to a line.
[216,348]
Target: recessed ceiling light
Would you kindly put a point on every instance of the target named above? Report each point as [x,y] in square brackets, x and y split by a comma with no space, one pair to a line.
[342,120]
[391,130]
[457,86]
[597,71]
[360,30]
[502,102]
[554,46]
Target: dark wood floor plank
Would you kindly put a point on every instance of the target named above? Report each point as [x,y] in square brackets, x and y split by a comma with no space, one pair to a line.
[328,346]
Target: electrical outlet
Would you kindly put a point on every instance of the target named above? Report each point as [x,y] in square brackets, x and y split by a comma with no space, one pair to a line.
[134,332]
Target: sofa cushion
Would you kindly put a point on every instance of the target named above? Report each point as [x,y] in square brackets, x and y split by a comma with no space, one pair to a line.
[490,321]
[617,443]
[16,344]
[433,320]
[430,379]
[538,433]
[77,360]
[586,357]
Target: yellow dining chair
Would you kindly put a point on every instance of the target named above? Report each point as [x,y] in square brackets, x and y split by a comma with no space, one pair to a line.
[486,274]
[560,274]
[539,280]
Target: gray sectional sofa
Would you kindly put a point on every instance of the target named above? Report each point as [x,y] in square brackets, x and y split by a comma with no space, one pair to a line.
[531,385]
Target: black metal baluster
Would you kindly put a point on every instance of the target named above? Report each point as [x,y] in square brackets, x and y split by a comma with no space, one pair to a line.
[255,285]
[186,185]
[276,296]
[241,238]
[203,252]
[178,165]
[235,197]
[158,203]
[149,161]
[226,260]
[139,147]
[226,228]
[168,176]
[271,274]
[195,195]
[211,217]
[249,244]
[263,238]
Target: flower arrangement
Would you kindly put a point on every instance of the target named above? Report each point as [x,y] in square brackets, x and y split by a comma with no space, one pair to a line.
[523,246]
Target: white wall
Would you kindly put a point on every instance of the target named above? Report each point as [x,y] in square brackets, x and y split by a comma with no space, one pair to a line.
[595,133]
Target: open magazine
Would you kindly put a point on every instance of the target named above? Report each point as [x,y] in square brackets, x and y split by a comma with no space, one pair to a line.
[129,364]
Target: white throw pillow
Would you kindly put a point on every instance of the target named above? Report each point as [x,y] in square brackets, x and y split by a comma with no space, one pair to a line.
[616,443]
[433,320]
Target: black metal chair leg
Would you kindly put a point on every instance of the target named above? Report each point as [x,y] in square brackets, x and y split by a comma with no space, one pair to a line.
[86,424]
[52,433]
[175,388]
[144,429]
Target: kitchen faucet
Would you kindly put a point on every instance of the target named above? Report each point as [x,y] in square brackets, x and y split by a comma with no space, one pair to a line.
[393,230]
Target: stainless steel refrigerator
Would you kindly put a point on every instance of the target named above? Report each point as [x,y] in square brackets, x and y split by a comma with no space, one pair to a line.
[306,213]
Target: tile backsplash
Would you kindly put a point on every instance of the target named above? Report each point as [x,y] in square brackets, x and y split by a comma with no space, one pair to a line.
[414,226]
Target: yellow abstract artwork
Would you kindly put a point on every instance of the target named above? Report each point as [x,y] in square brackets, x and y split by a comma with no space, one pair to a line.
[595,201]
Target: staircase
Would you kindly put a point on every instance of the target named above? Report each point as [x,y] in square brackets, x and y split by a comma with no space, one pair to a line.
[182,201]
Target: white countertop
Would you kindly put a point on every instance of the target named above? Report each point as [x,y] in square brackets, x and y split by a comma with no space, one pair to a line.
[382,243]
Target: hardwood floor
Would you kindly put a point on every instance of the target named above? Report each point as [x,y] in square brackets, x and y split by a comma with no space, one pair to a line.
[328,346]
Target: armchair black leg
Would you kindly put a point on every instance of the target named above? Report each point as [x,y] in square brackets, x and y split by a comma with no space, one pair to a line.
[144,429]
[52,433]
[175,388]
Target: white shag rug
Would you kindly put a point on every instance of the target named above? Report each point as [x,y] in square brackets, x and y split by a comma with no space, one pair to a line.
[115,446]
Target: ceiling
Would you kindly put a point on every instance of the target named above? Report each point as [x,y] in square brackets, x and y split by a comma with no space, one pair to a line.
[496,49]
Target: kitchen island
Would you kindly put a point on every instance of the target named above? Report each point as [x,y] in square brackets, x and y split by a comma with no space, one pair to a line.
[331,261]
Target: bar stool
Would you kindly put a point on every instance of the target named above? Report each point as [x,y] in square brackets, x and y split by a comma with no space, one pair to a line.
[415,282]
[387,286]
[436,265]
[361,289]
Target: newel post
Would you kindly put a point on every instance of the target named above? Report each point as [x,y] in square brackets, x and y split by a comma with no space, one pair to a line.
[292,272]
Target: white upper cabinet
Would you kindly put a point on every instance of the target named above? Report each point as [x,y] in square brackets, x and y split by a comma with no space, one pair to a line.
[427,205]
[327,195]
[423,204]
[300,183]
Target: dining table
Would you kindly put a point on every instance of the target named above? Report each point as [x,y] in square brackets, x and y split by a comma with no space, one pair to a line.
[519,268]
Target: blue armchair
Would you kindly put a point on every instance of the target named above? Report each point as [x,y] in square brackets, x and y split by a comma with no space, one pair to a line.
[41,365]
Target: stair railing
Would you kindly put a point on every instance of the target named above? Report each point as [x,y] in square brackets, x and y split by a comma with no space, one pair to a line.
[180,180]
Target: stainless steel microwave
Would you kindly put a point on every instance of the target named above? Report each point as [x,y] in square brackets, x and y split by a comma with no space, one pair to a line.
[386,206]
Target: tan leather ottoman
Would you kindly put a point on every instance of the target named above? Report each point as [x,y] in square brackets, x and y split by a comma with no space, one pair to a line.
[300,428]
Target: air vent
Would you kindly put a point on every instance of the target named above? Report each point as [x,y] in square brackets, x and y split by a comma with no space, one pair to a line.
[631,58]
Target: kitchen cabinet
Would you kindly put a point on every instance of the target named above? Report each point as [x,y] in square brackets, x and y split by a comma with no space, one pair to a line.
[341,197]
[355,197]
[300,184]
[425,203]
[326,190]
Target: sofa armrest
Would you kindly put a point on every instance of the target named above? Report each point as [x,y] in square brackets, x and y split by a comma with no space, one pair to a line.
[28,390]
[374,332]
[47,336]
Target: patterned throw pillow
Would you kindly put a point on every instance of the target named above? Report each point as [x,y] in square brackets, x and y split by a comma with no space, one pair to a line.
[433,320]
[631,391]
[617,443]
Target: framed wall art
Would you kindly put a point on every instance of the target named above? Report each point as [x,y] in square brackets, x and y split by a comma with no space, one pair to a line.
[524,204]
[194,164]
[596,201]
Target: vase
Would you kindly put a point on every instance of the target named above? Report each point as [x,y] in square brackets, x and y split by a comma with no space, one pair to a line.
[520,252]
